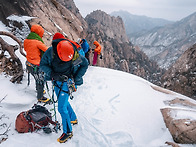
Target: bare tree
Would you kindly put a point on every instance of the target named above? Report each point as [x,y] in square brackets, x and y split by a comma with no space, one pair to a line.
[12,65]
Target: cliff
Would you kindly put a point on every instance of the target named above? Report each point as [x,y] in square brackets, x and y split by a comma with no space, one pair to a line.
[181,77]
[118,52]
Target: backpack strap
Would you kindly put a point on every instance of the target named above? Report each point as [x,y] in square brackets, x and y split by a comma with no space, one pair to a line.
[52,122]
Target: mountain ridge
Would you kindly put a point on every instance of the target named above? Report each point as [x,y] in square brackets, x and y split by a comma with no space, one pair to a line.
[139,23]
[166,44]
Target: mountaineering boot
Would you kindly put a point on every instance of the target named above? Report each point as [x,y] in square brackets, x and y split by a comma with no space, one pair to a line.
[64,137]
[74,122]
[43,99]
[44,92]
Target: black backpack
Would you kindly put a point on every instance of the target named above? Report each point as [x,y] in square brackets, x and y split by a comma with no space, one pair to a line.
[34,119]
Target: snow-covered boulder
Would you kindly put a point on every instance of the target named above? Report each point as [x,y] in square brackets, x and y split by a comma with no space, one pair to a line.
[181,121]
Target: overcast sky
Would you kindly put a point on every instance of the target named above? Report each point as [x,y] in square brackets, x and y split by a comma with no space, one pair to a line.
[167,9]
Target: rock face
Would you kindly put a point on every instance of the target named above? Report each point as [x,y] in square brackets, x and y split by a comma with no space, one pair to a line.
[166,44]
[181,77]
[182,129]
[51,14]
[70,5]
[118,52]
[107,26]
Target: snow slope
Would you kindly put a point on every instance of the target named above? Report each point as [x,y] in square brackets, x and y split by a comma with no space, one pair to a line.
[113,109]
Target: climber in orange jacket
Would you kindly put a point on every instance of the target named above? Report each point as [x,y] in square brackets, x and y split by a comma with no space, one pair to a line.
[97,53]
[35,47]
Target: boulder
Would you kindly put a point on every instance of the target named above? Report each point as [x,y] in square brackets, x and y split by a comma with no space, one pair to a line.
[180,122]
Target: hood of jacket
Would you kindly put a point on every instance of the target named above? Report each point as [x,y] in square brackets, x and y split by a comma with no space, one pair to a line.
[38,30]
[96,43]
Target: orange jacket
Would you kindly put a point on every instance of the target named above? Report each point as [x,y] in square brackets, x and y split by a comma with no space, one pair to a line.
[33,47]
[98,47]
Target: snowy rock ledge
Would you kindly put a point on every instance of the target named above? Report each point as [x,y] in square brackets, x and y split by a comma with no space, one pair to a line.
[180,119]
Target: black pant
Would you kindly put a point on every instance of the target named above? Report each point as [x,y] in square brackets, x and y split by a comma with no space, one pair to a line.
[87,57]
[39,80]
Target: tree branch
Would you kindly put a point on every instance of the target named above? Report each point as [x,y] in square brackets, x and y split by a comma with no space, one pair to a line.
[18,76]
[16,39]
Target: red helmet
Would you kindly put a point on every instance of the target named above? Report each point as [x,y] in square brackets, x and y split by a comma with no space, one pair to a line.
[58,36]
[65,50]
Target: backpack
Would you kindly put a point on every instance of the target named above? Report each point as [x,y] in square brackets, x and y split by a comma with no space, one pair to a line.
[34,119]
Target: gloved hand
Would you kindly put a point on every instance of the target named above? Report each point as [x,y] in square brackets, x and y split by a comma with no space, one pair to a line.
[78,81]
[101,57]
[58,77]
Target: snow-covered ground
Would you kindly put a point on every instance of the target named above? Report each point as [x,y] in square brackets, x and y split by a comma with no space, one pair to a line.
[113,109]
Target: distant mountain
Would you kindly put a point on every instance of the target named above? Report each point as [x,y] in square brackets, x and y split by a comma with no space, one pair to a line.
[136,24]
[166,44]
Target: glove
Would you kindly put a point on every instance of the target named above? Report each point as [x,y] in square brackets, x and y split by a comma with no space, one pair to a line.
[58,77]
[78,81]
[101,57]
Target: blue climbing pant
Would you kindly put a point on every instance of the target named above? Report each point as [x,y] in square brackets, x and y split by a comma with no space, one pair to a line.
[64,107]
